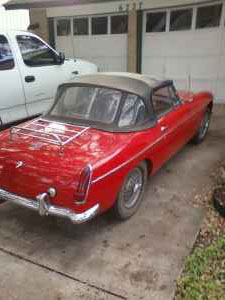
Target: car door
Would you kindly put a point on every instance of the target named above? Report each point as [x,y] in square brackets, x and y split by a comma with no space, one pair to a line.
[41,72]
[172,120]
[12,99]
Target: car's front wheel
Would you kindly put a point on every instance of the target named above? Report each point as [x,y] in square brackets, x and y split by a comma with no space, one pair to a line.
[204,127]
[131,193]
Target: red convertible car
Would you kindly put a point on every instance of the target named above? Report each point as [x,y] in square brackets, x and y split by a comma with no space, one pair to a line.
[98,144]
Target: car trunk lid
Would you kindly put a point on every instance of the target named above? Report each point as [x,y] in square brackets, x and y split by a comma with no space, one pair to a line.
[32,162]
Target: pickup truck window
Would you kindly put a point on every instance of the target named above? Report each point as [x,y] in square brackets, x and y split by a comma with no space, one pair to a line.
[6,57]
[34,52]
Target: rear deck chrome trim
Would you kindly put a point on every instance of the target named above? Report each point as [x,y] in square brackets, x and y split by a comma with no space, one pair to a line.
[51,209]
[55,138]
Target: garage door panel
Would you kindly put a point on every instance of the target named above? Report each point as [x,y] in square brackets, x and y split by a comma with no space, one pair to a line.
[182,84]
[178,44]
[104,46]
[198,53]
[192,44]
[223,41]
[155,45]
[102,51]
[117,64]
[179,70]
[80,46]
[167,45]
[205,67]
[178,67]
[220,91]
[205,41]
[99,39]
[204,73]
[64,44]
[154,66]
[221,73]
[203,85]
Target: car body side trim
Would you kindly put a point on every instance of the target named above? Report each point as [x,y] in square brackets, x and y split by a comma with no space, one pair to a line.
[145,149]
[128,161]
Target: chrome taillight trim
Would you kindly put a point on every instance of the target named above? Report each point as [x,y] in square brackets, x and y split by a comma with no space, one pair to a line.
[89,166]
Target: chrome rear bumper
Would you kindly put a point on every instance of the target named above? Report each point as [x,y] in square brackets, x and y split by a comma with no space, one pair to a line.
[45,208]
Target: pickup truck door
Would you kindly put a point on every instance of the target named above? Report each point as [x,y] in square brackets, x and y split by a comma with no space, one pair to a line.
[12,98]
[40,70]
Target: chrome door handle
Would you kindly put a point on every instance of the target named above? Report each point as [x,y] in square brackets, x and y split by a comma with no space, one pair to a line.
[164,129]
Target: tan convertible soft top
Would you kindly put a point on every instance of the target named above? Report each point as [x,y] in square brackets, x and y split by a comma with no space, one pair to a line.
[133,83]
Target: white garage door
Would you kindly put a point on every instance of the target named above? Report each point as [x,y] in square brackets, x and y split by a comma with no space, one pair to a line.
[99,39]
[187,44]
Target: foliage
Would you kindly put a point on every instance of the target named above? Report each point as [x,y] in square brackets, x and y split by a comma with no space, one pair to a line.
[204,275]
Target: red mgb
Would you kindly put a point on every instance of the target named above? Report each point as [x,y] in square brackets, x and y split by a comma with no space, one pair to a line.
[98,144]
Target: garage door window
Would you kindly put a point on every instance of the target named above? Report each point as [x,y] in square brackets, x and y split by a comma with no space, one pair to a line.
[6,58]
[119,24]
[99,25]
[156,22]
[80,26]
[181,19]
[63,27]
[209,16]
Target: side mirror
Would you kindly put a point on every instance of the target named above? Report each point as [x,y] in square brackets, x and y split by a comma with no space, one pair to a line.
[61,58]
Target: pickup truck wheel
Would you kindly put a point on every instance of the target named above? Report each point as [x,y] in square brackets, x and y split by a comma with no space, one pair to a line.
[204,127]
[131,193]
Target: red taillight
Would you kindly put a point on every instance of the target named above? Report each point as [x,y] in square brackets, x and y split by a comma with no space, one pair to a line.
[84,185]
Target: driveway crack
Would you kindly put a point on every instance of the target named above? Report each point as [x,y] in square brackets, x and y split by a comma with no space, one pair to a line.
[20,257]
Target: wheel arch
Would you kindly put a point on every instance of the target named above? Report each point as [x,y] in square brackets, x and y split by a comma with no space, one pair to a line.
[210,106]
[149,164]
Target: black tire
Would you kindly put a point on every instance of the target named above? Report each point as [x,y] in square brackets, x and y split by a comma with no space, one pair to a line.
[131,193]
[217,195]
[204,127]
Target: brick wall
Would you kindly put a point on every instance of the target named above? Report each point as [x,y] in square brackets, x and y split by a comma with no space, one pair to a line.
[39,23]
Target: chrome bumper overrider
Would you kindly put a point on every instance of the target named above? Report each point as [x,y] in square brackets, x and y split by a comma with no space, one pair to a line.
[44,208]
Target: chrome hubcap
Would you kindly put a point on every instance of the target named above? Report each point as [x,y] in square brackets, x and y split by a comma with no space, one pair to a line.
[133,188]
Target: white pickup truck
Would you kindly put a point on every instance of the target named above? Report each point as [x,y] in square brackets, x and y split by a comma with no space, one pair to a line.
[30,72]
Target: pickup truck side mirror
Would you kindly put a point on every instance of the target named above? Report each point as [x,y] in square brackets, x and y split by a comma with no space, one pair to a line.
[61,58]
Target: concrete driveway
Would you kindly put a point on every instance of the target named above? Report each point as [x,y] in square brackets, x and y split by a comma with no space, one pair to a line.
[48,258]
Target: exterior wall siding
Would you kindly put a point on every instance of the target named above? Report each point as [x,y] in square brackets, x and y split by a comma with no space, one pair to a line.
[39,17]
[18,19]
[117,6]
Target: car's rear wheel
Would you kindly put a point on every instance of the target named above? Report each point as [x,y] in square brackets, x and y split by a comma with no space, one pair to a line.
[204,127]
[131,193]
